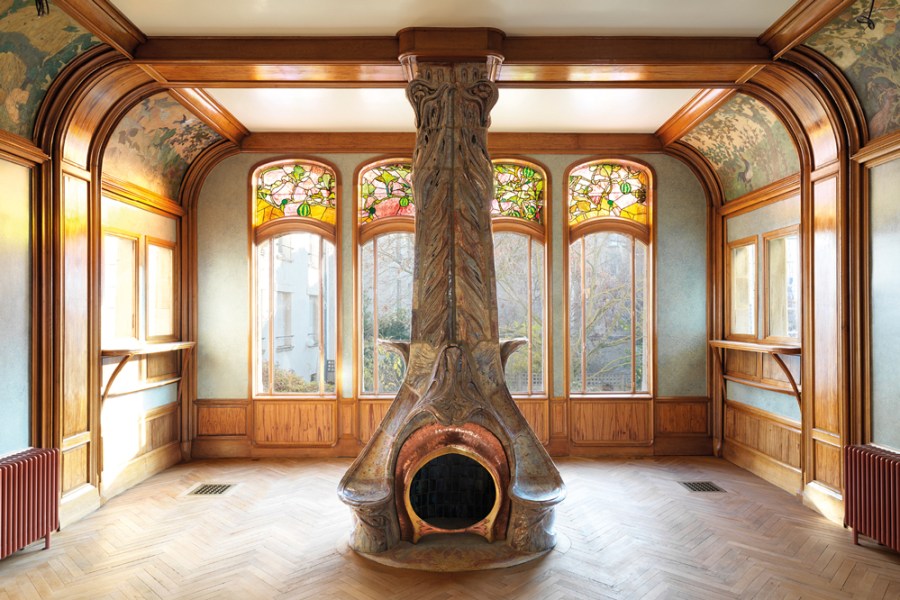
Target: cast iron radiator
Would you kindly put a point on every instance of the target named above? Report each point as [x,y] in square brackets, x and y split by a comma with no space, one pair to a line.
[872,504]
[29,498]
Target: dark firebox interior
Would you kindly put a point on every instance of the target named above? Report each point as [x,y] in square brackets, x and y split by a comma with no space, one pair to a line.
[452,491]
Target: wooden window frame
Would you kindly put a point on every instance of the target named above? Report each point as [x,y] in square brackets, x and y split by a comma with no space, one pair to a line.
[637,232]
[753,241]
[767,237]
[268,233]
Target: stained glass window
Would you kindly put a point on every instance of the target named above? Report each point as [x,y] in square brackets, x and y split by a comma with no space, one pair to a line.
[518,192]
[606,189]
[302,189]
[385,190]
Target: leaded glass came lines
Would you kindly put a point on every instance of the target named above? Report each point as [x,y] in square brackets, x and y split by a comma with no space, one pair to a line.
[608,190]
[518,192]
[386,191]
[295,189]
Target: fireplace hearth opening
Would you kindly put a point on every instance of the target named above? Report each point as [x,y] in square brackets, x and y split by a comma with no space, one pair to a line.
[453,491]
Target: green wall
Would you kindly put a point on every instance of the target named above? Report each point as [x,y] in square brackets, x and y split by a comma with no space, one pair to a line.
[885,272]
[223,250]
[15,316]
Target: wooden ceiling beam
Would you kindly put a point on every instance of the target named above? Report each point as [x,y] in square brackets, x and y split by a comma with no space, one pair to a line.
[106,22]
[528,60]
[211,112]
[499,143]
[801,21]
[705,103]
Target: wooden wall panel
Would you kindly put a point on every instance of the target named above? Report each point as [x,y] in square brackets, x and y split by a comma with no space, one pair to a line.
[826,333]
[611,422]
[161,427]
[828,464]
[75,349]
[75,462]
[742,363]
[289,422]
[685,417]
[221,420]
[537,413]
[371,412]
[764,444]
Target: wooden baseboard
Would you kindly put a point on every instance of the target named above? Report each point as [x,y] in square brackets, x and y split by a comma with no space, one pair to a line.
[78,503]
[683,446]
[824,500]
[139,469]
[778,473]
[599,451]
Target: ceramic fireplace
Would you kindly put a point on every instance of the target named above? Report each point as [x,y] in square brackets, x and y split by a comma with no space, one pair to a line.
[453,453]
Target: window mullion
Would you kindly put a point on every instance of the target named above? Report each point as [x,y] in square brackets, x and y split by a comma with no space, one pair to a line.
[270,384]
[583,324]
[530,329]
[633,322]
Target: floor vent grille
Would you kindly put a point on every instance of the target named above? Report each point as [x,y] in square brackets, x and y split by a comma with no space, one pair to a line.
[701,486]
[211,489]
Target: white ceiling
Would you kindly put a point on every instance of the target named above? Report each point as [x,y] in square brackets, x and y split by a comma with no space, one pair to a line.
[515,17]
[378,109]
[386,109]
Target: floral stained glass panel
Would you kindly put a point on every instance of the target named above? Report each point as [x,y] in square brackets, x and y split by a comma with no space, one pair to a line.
[386,191]
[295,189]
[518,192]
[608,190]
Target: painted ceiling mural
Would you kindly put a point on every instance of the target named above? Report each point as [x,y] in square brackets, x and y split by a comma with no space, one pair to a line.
[747,145]
[869,58]
[33,50]
[154,144]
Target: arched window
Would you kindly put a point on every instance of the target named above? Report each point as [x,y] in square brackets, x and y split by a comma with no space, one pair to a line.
[295,333]
[609,289]
[517,212]
[386,219]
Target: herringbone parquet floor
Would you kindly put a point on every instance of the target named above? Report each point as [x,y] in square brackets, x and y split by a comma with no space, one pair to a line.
[628,530]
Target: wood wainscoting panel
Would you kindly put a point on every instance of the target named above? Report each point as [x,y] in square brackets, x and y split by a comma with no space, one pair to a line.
[295,422]
[611,422]
[537,413]
[682,416]
[74,468]
[214,419]
[371,413]
[763,443]
[828,464]
[682,426]
[742,364]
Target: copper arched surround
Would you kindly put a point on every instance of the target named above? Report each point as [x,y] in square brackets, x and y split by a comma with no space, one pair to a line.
[432,441]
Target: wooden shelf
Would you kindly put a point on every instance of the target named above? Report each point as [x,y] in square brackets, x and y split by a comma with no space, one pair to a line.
[774,350]
[755,347]
[139,349]
[126,353]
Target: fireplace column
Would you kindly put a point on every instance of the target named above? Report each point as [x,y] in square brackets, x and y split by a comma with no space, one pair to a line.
[454,398]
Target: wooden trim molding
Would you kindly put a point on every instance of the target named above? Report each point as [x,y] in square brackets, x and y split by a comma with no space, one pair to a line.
[498,143]
[799,22]
[20,150]
[879,151]
[774,192]
[701,106]
[105,21]
[140,197]
[208,110]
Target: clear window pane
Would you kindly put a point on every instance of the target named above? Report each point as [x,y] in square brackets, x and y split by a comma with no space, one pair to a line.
[641,347]
[743,290]
[300,336]
[783,255]
[512,274]
[387,273]
[118,317]
[160,291]
[576,310]
[608,312]
[537,317]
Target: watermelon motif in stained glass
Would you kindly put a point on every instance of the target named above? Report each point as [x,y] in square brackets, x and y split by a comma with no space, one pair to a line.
[605,189]
[386,191]
[518,192]
[295,189]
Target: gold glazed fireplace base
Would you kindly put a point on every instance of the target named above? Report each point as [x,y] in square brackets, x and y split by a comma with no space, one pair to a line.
[452,553]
